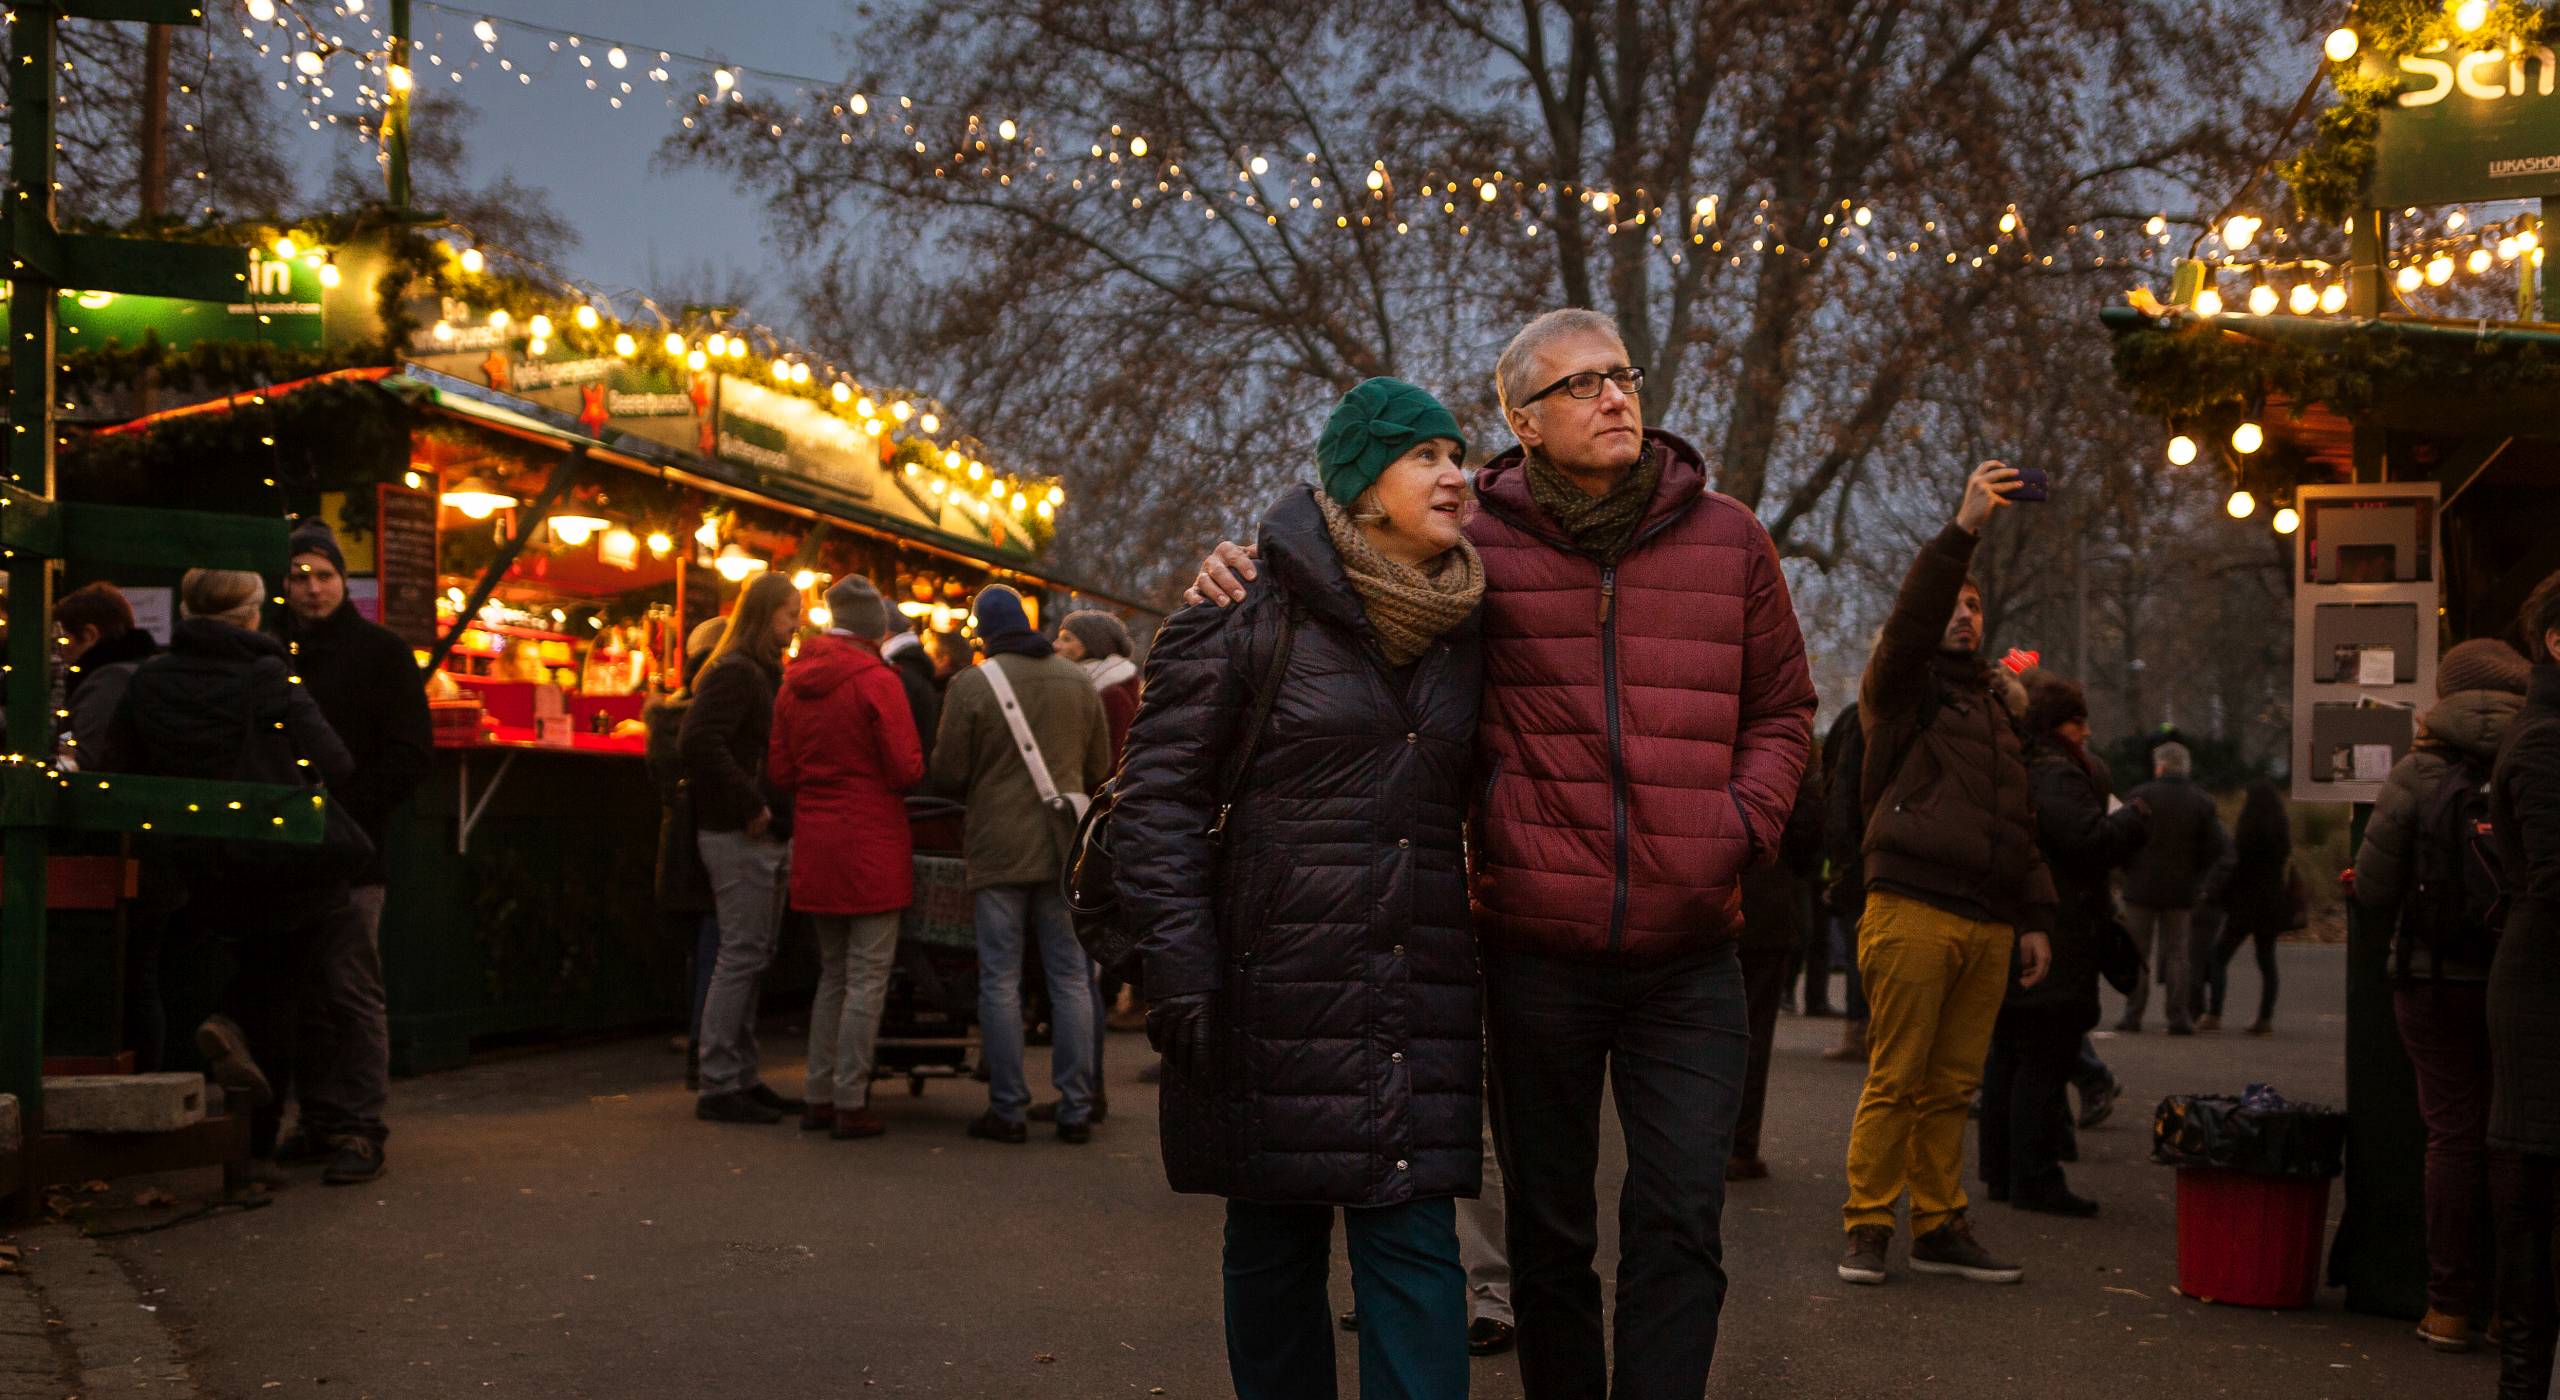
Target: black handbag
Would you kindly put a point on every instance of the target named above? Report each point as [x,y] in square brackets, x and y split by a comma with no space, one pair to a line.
[2120,959]
[1091,880]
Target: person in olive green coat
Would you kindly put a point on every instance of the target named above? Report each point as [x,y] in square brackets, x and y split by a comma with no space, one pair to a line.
[1016,847]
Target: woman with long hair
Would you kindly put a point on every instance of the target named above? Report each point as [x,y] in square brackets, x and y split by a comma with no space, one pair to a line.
[744,832]
[2258,899]
[1290,835]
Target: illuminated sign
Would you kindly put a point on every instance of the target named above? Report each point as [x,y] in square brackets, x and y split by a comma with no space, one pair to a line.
[2471,125]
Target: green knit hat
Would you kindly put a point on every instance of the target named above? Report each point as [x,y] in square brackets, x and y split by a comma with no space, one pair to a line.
[1373,425]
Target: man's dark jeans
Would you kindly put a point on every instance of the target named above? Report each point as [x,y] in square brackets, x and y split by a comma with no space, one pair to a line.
[1672,1042]
[2445,1027]
[2035,1050]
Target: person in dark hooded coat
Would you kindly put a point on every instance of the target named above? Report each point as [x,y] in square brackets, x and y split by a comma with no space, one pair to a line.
[1312,968]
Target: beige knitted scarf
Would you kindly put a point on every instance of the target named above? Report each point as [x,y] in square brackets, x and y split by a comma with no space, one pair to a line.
[1411,607]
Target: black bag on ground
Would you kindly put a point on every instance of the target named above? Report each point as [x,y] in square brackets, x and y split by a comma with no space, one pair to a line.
[2260,1134]
[1091,880]
[2457,898]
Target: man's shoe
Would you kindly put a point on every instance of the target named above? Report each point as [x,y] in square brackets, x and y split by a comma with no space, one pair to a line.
[736,1106]
[1048,1112]
[851,1123]
[1741,1168]
[1488,1336]
[304,1148]
[2262,1026]
[2095,1108]
[359,1160]
[818,1118]
[2059,1202]
[763,1093]
[1864,1263]
[2209,1021]
[2176,1029]
[988,1127]
[227,1063]
[1952,1249]
[2445,1331]
[1075,1134]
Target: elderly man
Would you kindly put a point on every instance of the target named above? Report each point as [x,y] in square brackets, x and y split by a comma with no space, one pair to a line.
[1647,715]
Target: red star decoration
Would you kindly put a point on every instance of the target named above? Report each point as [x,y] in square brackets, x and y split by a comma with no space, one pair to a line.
[496,368]
[591,410]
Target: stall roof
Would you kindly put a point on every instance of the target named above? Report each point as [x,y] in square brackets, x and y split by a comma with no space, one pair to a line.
[523,418]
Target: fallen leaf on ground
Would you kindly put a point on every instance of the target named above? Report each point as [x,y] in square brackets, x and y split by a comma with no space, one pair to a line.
[153,1196]
[1045,1358]
[2131,1293]
[9,1259]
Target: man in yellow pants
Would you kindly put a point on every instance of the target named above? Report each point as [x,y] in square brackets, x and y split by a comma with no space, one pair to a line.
[1955,887]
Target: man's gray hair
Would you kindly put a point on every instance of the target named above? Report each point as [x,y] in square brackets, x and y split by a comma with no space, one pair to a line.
[2172,761]
[1520,358]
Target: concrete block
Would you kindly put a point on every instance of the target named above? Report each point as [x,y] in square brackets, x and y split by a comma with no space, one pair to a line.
[122,1103]
[9,1129]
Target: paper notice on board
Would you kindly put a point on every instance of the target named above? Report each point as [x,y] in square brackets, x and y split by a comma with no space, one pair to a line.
[2372,763]
[2376,666]
[154,611]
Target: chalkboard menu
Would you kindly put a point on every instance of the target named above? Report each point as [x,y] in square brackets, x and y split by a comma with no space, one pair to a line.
[405,563]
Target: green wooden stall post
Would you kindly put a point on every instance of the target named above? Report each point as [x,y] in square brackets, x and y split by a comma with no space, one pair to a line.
[35,530]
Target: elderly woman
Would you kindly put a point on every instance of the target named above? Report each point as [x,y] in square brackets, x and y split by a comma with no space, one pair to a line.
[1289,830]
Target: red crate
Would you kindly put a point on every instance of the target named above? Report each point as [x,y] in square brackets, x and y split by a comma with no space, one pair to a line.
[2250,1241]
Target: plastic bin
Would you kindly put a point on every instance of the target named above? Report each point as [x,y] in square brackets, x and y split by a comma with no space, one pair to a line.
[2248,1240]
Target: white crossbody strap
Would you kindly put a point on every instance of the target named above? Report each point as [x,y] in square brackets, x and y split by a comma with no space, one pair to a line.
[1024,743]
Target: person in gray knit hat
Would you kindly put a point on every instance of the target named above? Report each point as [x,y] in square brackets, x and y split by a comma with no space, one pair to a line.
[2443,1007]
[856,609]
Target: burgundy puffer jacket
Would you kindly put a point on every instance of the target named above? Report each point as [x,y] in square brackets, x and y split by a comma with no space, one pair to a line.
[1644,725]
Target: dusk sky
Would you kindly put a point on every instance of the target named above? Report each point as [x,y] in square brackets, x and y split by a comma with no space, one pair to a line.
[599,165]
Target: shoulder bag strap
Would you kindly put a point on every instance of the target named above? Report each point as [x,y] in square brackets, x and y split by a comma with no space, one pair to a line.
[1265,695]
[1023,742]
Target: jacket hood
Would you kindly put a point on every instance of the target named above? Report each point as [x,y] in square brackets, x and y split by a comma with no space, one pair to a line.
[202,636]
[2474,721]
[1503,483]
[827,664]
[1300,551]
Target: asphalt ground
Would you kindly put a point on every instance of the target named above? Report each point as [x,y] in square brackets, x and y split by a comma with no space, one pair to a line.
[557,1224]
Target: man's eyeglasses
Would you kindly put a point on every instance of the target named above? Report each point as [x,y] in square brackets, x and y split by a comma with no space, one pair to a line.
[1586,384]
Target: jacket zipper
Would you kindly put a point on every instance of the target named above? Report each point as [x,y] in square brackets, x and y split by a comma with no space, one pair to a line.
[1617,756]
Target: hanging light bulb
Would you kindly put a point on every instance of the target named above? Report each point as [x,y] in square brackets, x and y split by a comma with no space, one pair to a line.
[781,372]
[841,392]
[398,74]
[707,534]
[472,261]
[2333,298]
[2341,45]
[723,79]
[1057,495]
[587,318]
[443,332]
[659,543]
[718,344]
[499,320]
[476,498]
[2478,262]
[902,410]
[2439,270]
[2470,15]
[2182,450]
[2262,300]
[1137,145]
[329,274]
[537,347]
[2241,506]
[2303,299]
[737,347]
[1377,179]
[539,327]
[576,527]
[284,248]
[617,57]
[1006,130]
[2009,221]
[930,422]
[2208,302]
[625,346]
[2239,231]
[804,580]
[2454,221]
[800,372]
[2409,279]
[696,360]
[484,31]
[309,63]
[1258,166]
[2287,520]
[863,405]
[735,563]
[263,11]
[2248,438]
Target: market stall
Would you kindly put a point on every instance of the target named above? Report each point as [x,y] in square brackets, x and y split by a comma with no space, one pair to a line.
[545,512]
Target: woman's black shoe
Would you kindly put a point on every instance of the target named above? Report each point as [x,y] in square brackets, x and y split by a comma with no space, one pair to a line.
[733,1107]
[2060,1202]
[1488,1336]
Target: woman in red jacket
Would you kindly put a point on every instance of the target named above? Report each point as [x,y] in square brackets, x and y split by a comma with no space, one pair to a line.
[844,752]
